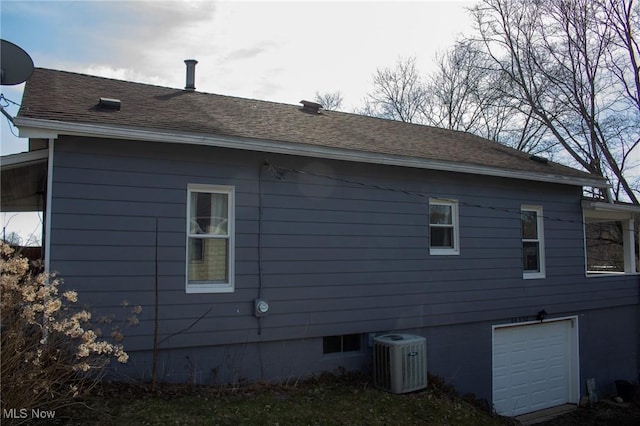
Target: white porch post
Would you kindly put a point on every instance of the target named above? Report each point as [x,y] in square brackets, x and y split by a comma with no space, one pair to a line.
[47,223]
[629,246]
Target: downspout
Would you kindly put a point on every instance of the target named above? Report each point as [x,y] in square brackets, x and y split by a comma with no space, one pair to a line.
[47,210]
[46,232]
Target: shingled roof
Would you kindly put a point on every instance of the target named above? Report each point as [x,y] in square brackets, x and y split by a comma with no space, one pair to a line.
[59,101]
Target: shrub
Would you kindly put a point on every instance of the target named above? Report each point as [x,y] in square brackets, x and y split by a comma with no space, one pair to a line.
[50,351]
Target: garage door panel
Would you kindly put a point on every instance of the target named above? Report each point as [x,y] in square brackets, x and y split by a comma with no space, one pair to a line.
[532,366]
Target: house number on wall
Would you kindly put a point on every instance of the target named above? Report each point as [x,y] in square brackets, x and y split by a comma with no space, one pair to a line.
[519,319]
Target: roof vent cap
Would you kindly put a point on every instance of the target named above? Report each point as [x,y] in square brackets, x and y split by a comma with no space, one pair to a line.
[311,107]
[110,103]
[539,159]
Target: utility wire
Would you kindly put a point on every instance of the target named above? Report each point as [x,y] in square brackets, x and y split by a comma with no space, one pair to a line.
[6,102]
[280,173]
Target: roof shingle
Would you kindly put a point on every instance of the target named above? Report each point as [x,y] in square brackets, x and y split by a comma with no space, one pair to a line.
[71,97]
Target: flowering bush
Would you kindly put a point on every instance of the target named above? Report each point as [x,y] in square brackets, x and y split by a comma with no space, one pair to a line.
[50,351]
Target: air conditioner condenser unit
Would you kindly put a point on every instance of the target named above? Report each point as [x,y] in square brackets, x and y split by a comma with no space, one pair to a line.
[400,362]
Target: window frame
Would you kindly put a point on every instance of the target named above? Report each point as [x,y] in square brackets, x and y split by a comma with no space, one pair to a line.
[627,215]
[357,336]
[212,287]
[455,226]
[539,240]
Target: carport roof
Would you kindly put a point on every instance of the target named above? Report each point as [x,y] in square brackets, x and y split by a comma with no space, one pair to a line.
[23,181]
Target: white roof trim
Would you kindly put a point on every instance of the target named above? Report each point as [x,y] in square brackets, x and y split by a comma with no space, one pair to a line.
[22,159]
[599,209]
[40,128]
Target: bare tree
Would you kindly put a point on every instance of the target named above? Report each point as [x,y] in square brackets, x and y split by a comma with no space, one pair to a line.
[13,239]
[623,18]
[465,93]
[331,101]
[398,93]
[454,95]
[563,60]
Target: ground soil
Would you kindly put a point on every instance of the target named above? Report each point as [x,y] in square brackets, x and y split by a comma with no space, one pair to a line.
[603,413]
[607,411]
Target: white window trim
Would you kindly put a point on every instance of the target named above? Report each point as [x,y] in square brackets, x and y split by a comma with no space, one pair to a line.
[625,214]
[436,251]
[540,240]
[229,286]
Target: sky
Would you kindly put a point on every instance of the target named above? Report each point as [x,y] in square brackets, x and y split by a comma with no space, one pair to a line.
[277,51]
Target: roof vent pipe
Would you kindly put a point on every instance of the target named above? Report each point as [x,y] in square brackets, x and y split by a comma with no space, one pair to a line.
[191,74]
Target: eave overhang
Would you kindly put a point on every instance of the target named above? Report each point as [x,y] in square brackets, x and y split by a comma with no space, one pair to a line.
[23,159]
[40,128]
[23,181]
[599,210]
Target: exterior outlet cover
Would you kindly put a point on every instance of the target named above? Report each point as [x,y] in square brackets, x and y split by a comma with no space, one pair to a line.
[261,307]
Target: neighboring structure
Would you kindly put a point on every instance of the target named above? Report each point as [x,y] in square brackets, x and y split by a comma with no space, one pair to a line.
[288,237]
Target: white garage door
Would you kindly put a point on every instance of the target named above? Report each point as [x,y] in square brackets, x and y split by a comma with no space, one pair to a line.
[535,366]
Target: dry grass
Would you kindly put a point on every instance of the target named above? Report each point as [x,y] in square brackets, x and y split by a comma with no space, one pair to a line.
[326,400]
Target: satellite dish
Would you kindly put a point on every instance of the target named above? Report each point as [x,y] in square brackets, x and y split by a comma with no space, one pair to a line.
[16,64]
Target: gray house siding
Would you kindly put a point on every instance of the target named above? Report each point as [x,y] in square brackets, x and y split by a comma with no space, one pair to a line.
[610,346]
[336,257]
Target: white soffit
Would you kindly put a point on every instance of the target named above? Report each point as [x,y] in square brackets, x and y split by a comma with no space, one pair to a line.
[23,159]
[612,211]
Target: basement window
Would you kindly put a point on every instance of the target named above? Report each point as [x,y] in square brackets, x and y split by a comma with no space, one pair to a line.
[340,344]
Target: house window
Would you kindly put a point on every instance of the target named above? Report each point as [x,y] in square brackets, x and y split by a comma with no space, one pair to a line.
[210,239]
[443,227]
[604,246]
[343,343]
[532,242]
[611,243]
